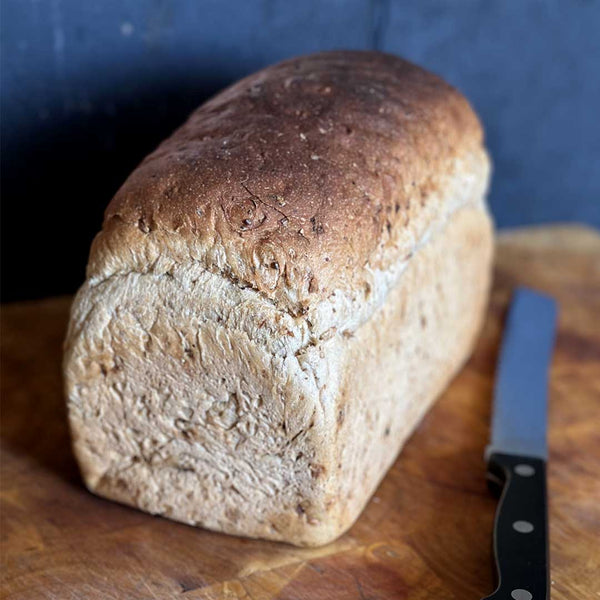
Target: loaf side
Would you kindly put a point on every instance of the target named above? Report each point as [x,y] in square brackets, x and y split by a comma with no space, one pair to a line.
[216,410]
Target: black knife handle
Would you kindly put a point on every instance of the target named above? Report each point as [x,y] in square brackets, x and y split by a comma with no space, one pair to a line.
[520,528]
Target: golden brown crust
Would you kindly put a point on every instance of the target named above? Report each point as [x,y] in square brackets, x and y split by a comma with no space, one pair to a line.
[296,178]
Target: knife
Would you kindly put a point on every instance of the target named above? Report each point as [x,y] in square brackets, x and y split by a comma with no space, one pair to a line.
[516,457]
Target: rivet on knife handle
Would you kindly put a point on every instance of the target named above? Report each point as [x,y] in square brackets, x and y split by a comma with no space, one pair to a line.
[517,453]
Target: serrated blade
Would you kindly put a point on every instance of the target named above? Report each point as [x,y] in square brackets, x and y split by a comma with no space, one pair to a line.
[519,420]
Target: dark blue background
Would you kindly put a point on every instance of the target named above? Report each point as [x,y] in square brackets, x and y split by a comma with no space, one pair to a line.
[89,87]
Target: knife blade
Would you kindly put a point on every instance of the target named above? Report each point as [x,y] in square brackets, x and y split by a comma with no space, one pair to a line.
[517,454]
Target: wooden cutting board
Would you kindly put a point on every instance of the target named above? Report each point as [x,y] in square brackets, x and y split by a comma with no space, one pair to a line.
[426,533]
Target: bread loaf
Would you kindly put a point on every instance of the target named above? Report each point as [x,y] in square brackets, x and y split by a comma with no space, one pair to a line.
[278,294]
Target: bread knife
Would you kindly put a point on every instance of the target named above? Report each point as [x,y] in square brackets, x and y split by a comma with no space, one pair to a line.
[516,457]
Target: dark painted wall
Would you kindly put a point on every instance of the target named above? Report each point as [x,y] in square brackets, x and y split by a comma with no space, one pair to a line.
[89,87]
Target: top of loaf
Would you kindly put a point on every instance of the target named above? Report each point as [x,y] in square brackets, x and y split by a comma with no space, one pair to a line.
[298,180]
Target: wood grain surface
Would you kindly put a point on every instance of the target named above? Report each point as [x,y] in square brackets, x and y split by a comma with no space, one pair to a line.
[426,533]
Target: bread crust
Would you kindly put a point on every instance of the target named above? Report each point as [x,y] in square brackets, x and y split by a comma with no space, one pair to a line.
[297,179]
[278,294]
